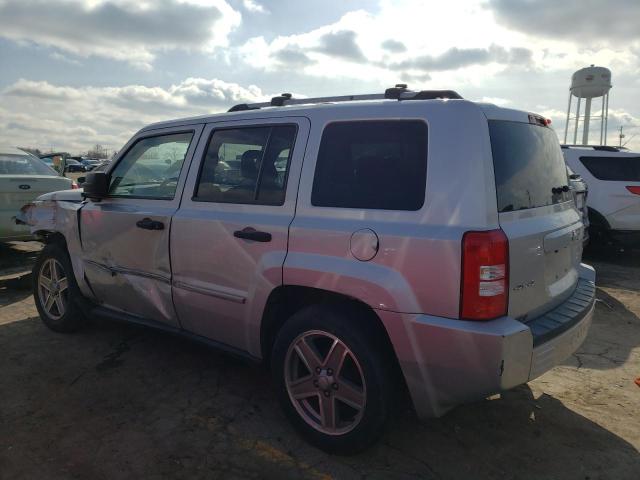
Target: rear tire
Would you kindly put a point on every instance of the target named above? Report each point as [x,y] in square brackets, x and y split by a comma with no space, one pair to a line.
[332,375]
[55,291]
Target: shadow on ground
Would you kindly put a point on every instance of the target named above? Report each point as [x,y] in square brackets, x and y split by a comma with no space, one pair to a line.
[614,334]
[10,295]
[621,267]
[117,401]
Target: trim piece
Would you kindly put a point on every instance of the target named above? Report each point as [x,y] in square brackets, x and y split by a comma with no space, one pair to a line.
[117,316]
[548,326]
[127,271]
[213,293]
[99,265]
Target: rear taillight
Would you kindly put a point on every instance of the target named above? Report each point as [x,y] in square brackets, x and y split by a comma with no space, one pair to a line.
[485,275]
[634,189]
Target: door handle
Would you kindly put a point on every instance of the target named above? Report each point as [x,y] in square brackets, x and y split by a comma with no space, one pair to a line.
[148,224]
[249,233]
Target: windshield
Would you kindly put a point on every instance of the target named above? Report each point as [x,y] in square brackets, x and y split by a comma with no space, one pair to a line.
[11,164]
[528,165]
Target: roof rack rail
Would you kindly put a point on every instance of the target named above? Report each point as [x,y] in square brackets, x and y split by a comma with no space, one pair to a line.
[399,92]
[601,148]
[606,148]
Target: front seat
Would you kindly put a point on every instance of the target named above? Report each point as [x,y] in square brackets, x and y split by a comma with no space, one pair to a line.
[249,168]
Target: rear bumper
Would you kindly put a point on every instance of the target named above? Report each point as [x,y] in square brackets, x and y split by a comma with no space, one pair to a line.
[447,362]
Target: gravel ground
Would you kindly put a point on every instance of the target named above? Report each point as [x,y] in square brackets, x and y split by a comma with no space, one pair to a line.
[116,401]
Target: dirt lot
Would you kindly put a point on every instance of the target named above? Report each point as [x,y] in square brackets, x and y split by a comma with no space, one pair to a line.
[116,401]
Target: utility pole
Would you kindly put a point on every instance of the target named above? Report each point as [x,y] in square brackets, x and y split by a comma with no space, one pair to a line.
[621,136]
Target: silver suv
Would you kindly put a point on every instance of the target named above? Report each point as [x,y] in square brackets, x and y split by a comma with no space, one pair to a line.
[356,244]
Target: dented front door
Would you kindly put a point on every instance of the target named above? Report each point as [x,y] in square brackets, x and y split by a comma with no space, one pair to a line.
[125,237]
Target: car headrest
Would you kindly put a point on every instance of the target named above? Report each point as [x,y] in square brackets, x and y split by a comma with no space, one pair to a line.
[249,163]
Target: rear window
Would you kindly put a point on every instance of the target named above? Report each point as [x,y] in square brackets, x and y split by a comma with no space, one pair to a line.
[528,166]
[11,164]
[372,165]
[621,169]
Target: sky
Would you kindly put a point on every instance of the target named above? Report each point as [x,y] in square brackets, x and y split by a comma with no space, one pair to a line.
[75,73]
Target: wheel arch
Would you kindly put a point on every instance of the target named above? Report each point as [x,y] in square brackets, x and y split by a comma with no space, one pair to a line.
[597,220]
[52,236]
[286,300]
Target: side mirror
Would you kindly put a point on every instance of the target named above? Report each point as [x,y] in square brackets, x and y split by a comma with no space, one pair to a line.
[95,186]
[81,180]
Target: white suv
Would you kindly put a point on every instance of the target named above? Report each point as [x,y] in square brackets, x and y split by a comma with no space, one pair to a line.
[353,244]
[613,176]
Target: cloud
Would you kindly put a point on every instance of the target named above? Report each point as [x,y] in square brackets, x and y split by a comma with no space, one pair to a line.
[253,7]
[412,79]
[393,46]
[390,46]
[41,90]
[456,58]
[292,57]
[62,58]
[40,114]
[341,45]
[501,102]
[126,30]
[607,21]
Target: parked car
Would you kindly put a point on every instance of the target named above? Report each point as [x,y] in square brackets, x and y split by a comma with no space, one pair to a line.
[580,191]
[23,177]
[424,240]
[90,163]
[101,167]
[49,156]
[48,161]
[613,176]
[74,166]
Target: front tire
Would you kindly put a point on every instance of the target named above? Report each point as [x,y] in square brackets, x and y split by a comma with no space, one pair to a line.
[55,291]
[333,377]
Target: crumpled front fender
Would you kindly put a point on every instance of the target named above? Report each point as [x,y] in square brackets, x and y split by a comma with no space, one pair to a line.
[40,215]
[45,217]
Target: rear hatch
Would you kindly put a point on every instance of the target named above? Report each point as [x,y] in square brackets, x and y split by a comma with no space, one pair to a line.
[536,212]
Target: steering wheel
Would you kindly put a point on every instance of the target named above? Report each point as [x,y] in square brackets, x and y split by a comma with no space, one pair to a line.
[166,181]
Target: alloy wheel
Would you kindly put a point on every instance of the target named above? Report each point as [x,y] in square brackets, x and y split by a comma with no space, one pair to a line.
[52,288]
[325,382]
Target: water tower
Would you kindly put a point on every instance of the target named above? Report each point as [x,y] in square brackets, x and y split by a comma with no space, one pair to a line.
[589,83]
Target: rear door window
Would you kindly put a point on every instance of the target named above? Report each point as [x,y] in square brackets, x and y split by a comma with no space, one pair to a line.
[528,165]
[247,165]
[372,165]
[621,169]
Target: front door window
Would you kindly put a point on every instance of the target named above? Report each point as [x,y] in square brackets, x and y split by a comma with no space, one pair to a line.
[151,168]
